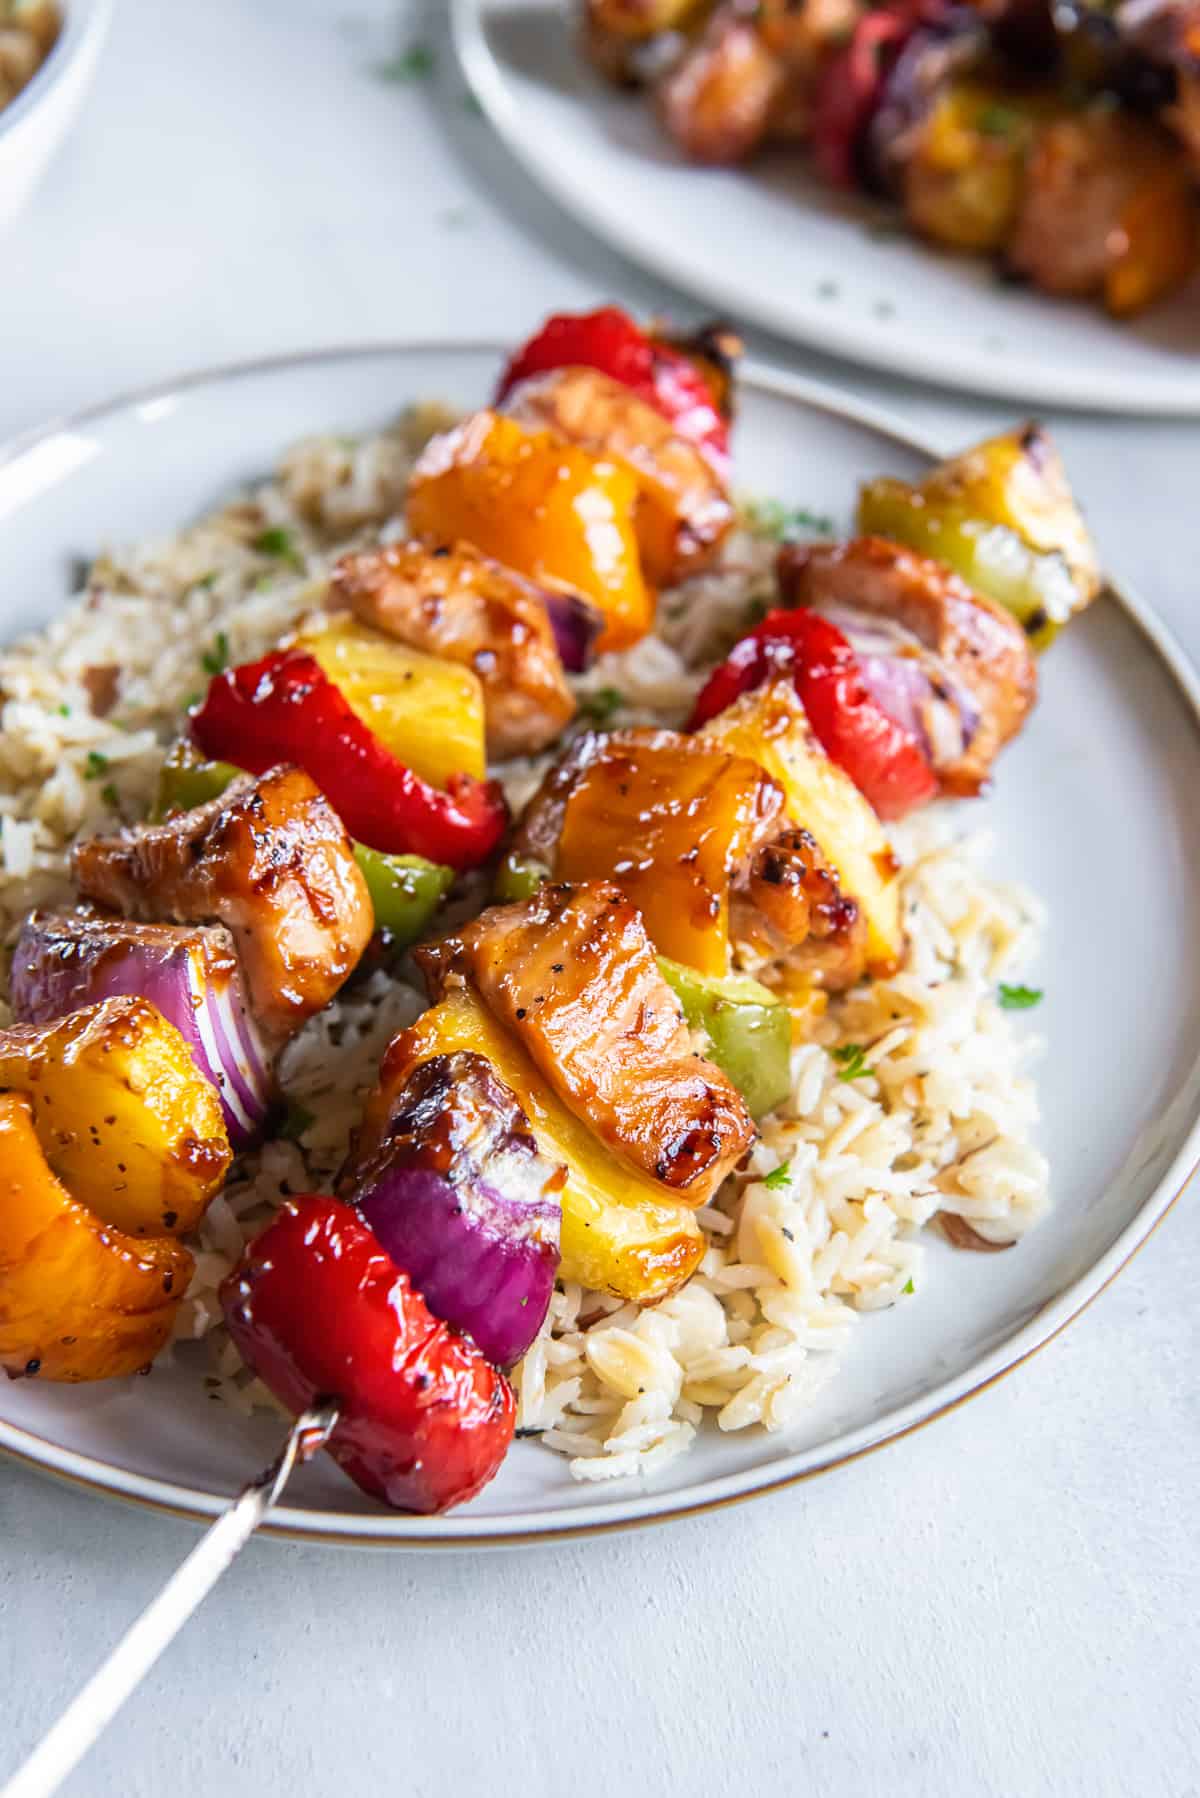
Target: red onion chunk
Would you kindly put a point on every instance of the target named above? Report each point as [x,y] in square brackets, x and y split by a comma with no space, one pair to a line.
[189,972]
[460,1197]
[911,684]
[576,625]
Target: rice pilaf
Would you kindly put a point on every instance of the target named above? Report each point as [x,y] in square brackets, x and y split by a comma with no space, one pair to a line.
[909,1101]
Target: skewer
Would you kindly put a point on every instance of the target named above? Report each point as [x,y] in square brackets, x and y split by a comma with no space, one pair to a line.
[94,1708]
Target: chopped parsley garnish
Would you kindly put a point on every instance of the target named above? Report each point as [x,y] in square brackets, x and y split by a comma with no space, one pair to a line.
[208,580]
[216,659]
[771,518]
[110,796]
[601,704]
[64,711]
[908,1285]
[1019,998]
[296,1121]
[276,541]
[471,105]
[779,1177]
[96,764]
[417,63]
[851,1060]
[997,121]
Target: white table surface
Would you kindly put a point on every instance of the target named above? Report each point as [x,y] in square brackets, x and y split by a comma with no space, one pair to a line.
[1005,1603]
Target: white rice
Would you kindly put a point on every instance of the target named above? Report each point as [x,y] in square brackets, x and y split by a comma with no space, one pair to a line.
[823,1224]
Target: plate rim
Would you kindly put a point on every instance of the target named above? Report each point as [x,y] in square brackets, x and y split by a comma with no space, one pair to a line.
[1091,389]
[459,1530]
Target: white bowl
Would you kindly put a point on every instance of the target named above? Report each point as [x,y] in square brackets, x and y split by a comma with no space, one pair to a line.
[35,123]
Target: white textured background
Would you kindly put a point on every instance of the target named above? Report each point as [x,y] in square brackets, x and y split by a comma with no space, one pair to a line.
[1005,1603]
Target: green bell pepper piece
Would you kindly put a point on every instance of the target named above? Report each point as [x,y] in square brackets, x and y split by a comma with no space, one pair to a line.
[186,780]
[1036,586]
[748,1028]
[518,877]
[405,890]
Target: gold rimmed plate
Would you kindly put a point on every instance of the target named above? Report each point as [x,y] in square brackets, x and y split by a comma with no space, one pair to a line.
[1094,808]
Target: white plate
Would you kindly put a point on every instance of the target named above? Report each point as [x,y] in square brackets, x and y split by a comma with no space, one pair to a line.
[1094,807]
[775,246]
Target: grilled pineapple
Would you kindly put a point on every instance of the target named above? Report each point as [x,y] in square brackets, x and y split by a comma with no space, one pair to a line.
[123,1115]
[78,1299]
[427,711]
[617,1233]
[769,725]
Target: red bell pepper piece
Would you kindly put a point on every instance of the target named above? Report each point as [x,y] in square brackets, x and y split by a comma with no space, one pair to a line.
[610,341]
[286,709]
[851,87]
[319,1310]
[885,760]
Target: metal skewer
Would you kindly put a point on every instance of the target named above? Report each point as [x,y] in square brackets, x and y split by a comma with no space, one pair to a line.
[90,1713]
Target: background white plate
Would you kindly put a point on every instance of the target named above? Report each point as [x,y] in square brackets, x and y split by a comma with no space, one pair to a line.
[774,246]
[1095,807]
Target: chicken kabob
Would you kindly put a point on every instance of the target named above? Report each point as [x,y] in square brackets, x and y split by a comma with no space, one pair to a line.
[678,903]
[1059,139]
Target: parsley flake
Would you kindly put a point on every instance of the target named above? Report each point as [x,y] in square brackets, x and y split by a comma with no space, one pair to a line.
[997,121]
[110,796]
[417,63]
[276,541]
[601,704]
[852,1064]
[908,1285]
[216,659]
[1019,998]
[779,1177]
[64,711]
[771,518]
[96,764]
[296,1121]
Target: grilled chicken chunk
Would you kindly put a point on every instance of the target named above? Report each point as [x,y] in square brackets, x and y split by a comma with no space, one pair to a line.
[269,859]
[1088,180]
[462,605]
[778,889]
[683,510]
[720,100]
[789,907]
[572,973]
[953,666]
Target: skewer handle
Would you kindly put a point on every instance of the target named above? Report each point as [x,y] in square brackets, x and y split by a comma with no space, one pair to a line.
[90,1713]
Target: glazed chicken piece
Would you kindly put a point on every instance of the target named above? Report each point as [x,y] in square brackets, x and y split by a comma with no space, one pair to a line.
[634,42]
[271,860]
[683,511]
[788,907]
[462,605]
[573,975]
[953,666]
[771,891]
[1106,210]
[720,99]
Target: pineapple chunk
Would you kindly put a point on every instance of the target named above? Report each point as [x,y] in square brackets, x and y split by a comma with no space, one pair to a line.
[769,725]
[122,1113]
[617,1233]
[427,711]
[78,1300]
